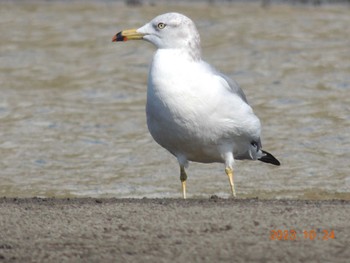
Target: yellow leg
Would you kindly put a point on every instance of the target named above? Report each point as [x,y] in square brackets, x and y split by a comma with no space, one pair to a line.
[183,184]
[183,178]
[229,173]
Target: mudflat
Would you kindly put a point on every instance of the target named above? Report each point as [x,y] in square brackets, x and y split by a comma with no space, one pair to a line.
[173,230]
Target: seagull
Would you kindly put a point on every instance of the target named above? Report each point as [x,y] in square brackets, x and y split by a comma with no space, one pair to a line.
[195,112]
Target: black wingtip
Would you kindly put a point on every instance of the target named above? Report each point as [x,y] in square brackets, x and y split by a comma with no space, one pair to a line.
[269,158]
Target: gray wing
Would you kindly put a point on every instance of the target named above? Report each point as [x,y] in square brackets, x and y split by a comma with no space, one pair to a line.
[234,87]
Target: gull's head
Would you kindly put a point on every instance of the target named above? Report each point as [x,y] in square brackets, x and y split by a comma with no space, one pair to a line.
[167,31]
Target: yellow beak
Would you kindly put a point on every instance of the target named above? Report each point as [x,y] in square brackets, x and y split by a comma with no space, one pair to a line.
[129,34]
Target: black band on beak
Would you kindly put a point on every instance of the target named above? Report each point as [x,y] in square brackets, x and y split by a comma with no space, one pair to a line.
[118,37]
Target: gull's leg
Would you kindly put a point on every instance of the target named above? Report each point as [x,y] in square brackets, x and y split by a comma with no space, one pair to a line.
[229,160]
[183,177]
[229,172]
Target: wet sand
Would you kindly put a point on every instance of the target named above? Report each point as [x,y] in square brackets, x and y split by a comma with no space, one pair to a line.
[173,230]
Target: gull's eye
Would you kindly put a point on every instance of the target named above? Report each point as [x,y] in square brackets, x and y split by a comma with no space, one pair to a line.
[161,25]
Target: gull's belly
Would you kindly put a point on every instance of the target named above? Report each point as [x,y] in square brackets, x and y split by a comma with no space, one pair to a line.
[184,137]
[194,130]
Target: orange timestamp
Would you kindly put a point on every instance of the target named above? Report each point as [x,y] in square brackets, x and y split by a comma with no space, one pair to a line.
[302,235]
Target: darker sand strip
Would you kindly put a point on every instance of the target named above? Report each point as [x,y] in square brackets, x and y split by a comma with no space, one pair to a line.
[173,230]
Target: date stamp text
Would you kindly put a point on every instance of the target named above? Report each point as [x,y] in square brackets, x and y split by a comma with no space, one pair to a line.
[319,234]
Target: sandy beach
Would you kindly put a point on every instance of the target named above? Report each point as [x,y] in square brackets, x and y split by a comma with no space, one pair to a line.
[173,230]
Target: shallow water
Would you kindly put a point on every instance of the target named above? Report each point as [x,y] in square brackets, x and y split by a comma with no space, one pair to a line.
[72,120]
